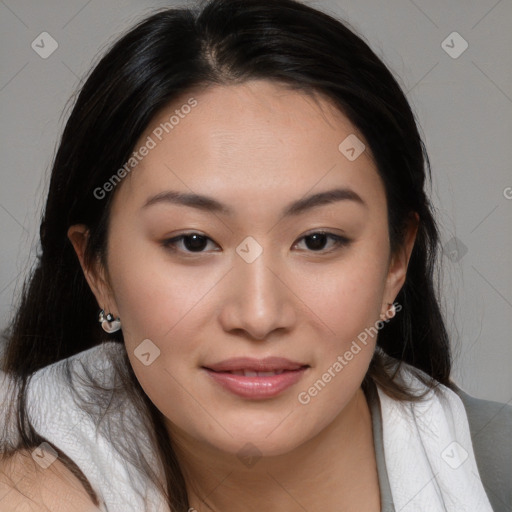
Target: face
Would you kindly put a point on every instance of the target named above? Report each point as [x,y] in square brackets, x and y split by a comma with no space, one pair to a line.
[287,256]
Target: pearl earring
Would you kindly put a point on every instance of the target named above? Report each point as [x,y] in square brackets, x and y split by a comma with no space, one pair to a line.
[391,312]
[109,323]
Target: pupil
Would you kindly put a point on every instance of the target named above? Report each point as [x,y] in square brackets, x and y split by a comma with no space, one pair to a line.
[318,240]
[195,242]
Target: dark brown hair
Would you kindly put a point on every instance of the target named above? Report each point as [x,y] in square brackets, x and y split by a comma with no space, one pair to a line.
[159,60]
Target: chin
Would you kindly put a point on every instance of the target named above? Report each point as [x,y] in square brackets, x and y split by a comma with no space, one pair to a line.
[269,438]
[255,446]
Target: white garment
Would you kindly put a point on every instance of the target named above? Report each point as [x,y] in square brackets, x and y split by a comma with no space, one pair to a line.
[120,486]
[428,450]
[429,453]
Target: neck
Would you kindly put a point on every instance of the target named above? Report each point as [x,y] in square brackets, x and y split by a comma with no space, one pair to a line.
[335,470]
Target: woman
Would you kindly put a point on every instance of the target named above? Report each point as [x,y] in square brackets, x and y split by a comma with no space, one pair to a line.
[234,305]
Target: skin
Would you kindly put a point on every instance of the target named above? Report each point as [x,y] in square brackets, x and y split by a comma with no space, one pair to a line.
[256,147]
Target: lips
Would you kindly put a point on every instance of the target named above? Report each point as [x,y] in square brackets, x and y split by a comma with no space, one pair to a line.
[256,379]
[268,364]
[251,373]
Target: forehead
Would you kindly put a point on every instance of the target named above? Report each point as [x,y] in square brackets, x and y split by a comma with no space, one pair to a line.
[257,136]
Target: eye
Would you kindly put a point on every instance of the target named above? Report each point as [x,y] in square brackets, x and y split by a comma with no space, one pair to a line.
[196,242]
[190,242]
[317,241]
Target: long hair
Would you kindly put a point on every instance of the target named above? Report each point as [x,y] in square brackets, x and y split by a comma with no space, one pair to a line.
[165,56]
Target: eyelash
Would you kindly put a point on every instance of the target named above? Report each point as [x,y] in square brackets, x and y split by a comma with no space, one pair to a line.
[339,241]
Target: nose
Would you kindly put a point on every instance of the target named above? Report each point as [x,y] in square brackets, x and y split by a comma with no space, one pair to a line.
[258,302]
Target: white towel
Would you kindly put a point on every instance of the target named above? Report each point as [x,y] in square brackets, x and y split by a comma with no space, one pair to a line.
[429,454]
[121,486]
[427,445]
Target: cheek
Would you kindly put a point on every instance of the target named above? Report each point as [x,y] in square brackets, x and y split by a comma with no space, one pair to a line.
[158,303]
[153,296]
[349,302]
[354,298]
[349,297]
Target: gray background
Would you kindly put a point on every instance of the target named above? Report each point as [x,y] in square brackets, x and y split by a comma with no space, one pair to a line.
[463,105]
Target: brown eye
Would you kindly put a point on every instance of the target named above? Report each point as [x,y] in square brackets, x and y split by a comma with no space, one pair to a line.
[190,242]
[317,241]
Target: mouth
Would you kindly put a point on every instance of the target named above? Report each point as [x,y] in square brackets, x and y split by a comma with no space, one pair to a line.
[248,364]
[252,373]
[256,379]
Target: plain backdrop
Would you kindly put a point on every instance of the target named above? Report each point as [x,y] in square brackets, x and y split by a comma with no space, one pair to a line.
[462,97]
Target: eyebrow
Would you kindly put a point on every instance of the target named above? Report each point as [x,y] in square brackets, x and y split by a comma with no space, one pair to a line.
[209,204]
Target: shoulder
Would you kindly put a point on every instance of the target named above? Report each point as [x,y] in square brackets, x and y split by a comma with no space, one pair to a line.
[490,424]
[27,486]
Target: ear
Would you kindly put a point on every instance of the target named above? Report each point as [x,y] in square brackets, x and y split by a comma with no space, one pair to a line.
[95,275]
[399,262]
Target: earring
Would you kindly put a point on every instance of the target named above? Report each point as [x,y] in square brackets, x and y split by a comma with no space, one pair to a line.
[391,312]
[108,323]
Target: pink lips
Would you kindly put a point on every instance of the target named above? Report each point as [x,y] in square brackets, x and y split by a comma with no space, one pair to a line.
[256,378]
